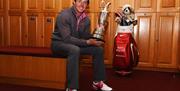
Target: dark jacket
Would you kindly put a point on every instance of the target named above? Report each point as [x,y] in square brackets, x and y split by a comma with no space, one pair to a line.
[66,28]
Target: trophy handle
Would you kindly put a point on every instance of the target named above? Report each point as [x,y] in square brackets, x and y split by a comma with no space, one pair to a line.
[106,7]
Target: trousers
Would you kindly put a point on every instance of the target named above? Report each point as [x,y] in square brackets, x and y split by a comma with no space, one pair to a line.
[73,52]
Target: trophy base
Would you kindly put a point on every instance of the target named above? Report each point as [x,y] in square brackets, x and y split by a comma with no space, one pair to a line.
[98,39]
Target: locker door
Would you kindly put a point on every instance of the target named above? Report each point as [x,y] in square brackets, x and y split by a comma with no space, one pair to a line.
[15,29]
[16,5]
[2,29]
[144,35]
[167,40]
[145,5]
[34,29]
[52,5]
[168,5]
[49,23]
[34,5]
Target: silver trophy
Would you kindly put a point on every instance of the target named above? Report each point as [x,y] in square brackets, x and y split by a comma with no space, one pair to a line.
[99,31]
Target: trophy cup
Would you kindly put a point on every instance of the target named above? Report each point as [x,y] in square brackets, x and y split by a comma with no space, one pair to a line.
[99,31]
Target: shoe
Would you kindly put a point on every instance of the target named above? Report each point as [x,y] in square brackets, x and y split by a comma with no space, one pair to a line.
[69,89]
[101,86]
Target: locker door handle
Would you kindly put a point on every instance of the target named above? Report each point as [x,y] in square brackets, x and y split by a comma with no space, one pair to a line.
[145,14]
[49,20]
[42,36]
[33,18]
[26,36]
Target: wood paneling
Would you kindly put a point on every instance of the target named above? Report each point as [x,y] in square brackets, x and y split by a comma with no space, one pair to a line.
[145,6]
[157,42]
[34,5]
[179,43]
[49,23]
[2,5]
[15,29]
[2,28]
[144,35]
[35,68]
[16,5]
[43,5]
[33,71]
[52,5]
[67,4]
[34,26]
[167,40]
[168,5]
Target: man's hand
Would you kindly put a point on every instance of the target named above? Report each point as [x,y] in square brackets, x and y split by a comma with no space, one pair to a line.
[100,26]
[94,42]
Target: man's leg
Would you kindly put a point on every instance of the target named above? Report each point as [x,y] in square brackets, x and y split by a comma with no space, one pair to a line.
[73,67]
[73,54]
[98,66]
[98,61]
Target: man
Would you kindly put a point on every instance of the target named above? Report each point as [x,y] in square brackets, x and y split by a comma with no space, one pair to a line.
[71,38]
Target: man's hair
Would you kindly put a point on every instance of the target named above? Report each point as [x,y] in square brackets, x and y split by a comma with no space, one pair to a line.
[87,1]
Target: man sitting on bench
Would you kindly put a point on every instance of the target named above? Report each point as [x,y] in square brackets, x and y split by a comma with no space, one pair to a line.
[72,38]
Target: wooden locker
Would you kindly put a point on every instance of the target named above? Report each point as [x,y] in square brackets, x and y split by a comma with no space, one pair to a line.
[168,5]
[167,40]
[179,43]
[179,51]
[52,5]
[15,28]
[2,5]
[33,5]
[145,5]
[15,5]
[2,29]
[144,34]
[49,23]
[34,28]
[67,4]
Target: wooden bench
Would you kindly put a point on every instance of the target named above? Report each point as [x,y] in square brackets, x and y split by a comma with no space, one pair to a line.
[32,66]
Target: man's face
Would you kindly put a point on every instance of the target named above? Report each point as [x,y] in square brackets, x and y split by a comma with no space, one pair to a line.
[81,5]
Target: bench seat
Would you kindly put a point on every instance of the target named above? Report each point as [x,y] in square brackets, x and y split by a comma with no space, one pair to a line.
[33,51]
[32,66]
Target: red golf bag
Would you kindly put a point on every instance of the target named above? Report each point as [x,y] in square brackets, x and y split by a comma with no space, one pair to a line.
[126,54]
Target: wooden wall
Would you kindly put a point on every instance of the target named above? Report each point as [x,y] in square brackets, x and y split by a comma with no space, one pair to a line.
[30,23]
